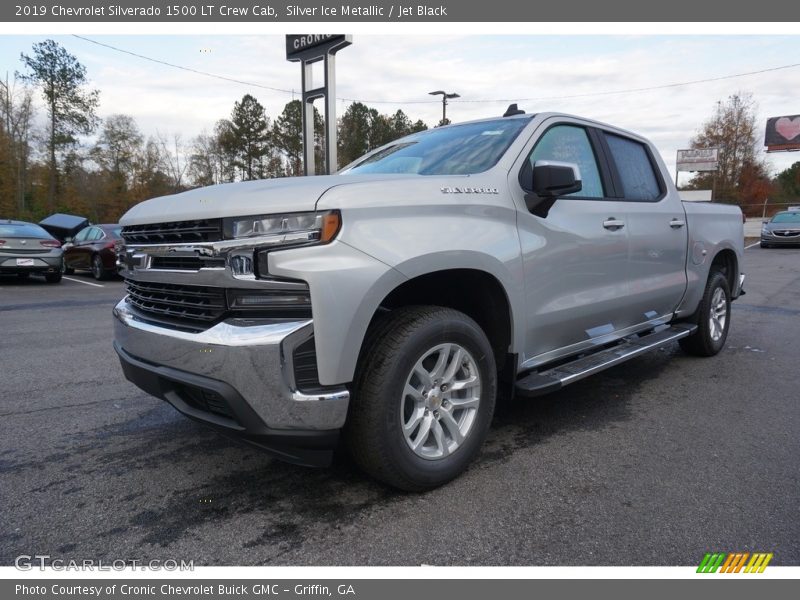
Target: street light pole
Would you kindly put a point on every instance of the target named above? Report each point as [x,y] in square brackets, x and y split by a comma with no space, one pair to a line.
[445,97]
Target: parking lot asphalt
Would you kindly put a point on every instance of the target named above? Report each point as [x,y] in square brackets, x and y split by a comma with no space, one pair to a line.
[653,462]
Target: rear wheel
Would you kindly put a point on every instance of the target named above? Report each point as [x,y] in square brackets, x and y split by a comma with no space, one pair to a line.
[98,270]
[713,319]
[424,397]
[52,277]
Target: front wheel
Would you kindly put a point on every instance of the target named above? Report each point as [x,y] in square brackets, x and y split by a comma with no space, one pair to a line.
[713,319]
[424,396]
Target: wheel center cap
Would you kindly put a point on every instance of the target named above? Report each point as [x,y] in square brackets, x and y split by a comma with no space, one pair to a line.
[434,400]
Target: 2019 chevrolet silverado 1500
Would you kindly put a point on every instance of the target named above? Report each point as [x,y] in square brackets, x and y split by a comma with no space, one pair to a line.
[389,302]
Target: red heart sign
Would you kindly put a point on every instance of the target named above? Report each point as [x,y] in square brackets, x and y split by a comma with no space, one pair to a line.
[788,128]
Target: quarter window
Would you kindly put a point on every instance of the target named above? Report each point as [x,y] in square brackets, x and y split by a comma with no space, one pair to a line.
[639,181]
[568,143]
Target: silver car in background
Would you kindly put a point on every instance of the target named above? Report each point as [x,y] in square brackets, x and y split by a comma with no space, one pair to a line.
[782,230]
[26,248]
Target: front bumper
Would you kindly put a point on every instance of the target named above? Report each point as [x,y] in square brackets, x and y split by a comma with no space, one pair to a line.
[237,376]
[790,240]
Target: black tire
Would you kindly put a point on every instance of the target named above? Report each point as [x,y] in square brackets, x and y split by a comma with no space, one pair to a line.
[702,342]
[374,430]
[765,245]
[52,277]
[98,270]
[69,271]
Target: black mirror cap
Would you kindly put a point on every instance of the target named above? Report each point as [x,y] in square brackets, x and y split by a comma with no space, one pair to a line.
[551,178]
[547,181]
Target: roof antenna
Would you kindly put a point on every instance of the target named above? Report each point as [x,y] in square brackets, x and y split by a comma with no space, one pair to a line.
[513,110]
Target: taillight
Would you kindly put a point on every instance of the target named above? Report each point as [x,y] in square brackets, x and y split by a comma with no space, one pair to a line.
[50,243]
[109,246]
[2,242]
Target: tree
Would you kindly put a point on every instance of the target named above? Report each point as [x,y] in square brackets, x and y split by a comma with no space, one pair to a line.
[788,182]
[170,158]
[250,129]
[16,130]
[732,129]
[362,129]
[116,148]
[70,106]
[287,137]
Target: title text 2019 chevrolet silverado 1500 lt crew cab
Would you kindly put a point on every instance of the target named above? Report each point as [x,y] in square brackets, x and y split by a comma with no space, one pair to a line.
[389,302]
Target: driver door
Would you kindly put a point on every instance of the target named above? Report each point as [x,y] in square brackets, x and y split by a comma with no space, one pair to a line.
[575,259]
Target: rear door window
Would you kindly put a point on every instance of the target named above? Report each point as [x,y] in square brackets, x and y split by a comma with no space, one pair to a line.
[636,172]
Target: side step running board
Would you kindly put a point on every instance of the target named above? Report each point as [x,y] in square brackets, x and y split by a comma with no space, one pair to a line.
[550,380]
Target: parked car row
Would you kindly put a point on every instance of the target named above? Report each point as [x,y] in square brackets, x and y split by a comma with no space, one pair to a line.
[93,249]
[783,229]
[26,248]
[29,249]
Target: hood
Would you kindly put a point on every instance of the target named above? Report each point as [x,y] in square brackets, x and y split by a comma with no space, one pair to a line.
[290,194]
[782,226]
[267,196]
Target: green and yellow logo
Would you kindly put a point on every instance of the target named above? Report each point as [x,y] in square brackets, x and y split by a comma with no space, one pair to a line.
[734,562]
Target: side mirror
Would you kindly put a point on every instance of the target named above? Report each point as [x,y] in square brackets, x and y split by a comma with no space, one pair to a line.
[549,181]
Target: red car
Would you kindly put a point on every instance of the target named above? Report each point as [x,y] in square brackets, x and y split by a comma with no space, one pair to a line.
[92,249]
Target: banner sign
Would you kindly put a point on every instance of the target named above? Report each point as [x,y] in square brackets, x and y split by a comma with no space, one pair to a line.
[698,159]
[783,134]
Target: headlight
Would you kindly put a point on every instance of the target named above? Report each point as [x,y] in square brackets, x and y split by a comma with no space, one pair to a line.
[297,228]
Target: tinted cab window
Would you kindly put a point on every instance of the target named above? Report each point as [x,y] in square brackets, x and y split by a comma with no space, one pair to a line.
[639,181]
[569,143]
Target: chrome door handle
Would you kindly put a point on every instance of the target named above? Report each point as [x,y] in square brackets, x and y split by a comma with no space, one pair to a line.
[613,224]
[676,223]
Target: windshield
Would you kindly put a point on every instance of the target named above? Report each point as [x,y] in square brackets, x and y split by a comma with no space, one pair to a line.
[23,230]
[787,217]
[457,150]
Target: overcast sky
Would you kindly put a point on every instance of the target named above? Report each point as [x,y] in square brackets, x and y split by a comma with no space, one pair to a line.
[393,72]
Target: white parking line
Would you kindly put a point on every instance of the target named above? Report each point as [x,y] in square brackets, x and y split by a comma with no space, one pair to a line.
[84,282]
[751,245]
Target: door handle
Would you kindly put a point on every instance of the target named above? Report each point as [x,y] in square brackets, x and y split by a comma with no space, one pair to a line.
[613,224]
[677,223]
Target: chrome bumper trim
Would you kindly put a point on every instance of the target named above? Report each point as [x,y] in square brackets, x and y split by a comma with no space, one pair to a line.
[256,359]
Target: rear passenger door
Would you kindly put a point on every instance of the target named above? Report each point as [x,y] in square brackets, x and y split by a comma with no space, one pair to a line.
[657,228]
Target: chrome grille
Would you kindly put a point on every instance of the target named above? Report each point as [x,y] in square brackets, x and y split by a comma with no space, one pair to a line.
[188,303]
[206,230]
[786,232]
[186,263]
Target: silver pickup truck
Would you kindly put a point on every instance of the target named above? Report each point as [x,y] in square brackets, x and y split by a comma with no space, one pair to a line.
[390,303]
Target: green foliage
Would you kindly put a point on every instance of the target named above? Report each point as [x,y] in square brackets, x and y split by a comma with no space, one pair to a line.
[788,183]
[248,137]
[71,107]
[121,167]
[362,129]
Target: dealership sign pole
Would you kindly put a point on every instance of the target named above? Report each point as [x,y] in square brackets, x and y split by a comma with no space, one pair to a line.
[308,49]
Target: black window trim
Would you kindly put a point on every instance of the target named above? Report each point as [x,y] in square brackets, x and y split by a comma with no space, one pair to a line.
[602,133]
[602,161]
